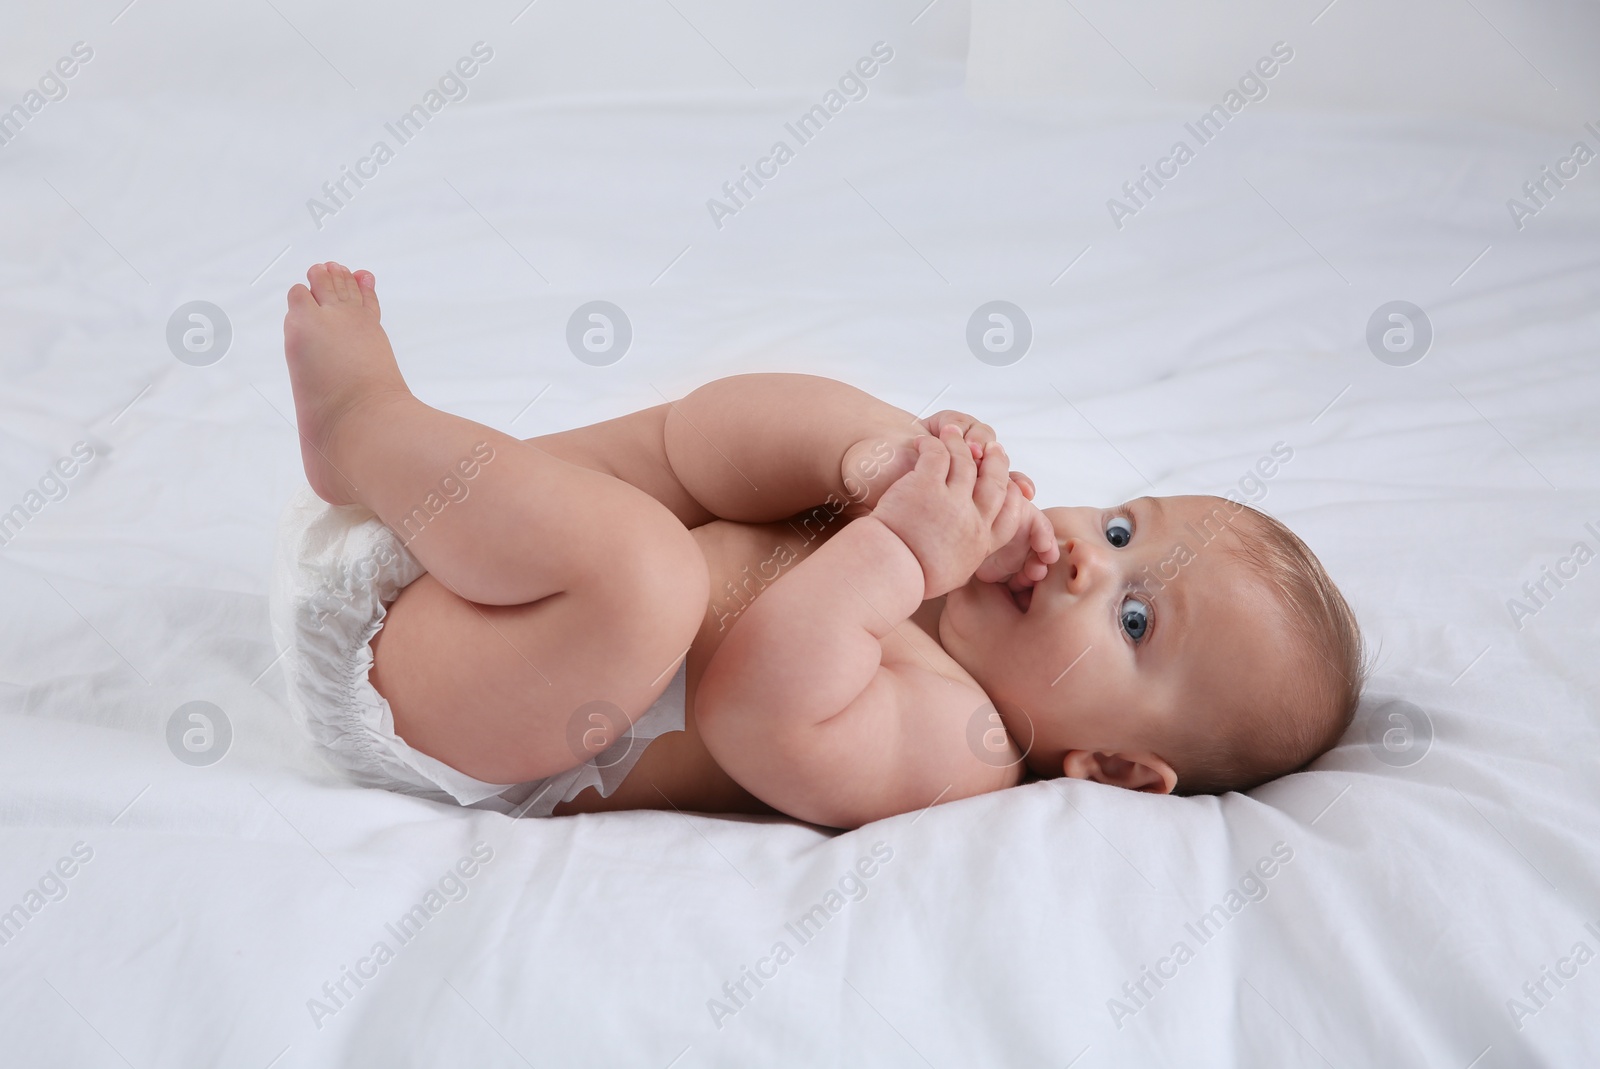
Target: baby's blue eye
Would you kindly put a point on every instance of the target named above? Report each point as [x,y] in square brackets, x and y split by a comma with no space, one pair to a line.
[1119,532]
[1135,618]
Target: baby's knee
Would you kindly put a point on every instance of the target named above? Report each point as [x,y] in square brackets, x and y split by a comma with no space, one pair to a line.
[680,582]
[657,587]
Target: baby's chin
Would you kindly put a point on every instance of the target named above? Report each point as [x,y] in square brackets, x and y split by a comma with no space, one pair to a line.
[975,627]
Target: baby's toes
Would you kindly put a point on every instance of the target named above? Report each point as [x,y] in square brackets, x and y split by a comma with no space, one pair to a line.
[369,291]
[322,284]
[344,283]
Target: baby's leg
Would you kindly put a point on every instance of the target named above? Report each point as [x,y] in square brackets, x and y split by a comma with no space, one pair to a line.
[550,585]
[762,447]
[756,448]
[631,448]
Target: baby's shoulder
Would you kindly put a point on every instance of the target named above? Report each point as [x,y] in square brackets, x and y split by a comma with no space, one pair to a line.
[960,737]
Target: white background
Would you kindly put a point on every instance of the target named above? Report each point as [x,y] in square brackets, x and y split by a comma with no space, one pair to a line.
[1227,315]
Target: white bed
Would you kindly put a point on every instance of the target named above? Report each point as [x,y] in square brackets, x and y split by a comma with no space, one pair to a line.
[1410,900]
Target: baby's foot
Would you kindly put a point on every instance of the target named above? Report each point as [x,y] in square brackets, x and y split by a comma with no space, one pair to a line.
[339,360]
[872,465]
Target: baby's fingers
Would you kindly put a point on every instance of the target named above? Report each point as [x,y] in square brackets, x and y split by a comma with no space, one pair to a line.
[993,486]
[932,457]
[963,468]
[1034,569]
[1020,581]
[1042,539]
[978,436]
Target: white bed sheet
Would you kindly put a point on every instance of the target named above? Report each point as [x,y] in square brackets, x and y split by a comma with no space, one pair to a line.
[1173,353]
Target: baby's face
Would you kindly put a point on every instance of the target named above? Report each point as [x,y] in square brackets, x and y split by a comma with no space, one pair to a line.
[1147,623]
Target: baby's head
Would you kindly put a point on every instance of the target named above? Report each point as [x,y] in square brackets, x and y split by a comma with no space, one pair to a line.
[1187,644]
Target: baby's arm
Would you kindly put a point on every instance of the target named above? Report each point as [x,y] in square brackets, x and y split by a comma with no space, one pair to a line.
[798,706]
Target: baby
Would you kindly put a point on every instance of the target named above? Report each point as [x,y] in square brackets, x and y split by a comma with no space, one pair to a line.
[775,594]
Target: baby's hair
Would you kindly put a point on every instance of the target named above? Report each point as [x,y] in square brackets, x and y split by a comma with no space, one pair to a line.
[1327,680]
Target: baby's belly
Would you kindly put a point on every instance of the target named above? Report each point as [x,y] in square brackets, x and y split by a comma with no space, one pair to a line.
[676,771]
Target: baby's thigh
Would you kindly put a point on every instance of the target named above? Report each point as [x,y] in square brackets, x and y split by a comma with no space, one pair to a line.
[632,448]
[505,693]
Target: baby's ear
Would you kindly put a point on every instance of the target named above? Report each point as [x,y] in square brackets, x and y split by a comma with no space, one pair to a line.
[1135,771]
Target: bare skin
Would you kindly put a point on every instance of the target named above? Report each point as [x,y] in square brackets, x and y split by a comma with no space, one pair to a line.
[588,565]
[676,769]
[518,587]
[551,583]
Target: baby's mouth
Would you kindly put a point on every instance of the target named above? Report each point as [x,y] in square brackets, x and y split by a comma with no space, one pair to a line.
[1023,598]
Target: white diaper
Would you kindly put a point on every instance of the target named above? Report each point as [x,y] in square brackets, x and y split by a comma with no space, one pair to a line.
[337,569]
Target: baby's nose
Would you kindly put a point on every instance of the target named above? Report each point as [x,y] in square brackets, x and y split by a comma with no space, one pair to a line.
[1082,564]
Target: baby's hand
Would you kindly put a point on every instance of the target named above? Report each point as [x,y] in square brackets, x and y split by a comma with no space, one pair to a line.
[978,435]
[1026,544]
[1023,540]
[945,508]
